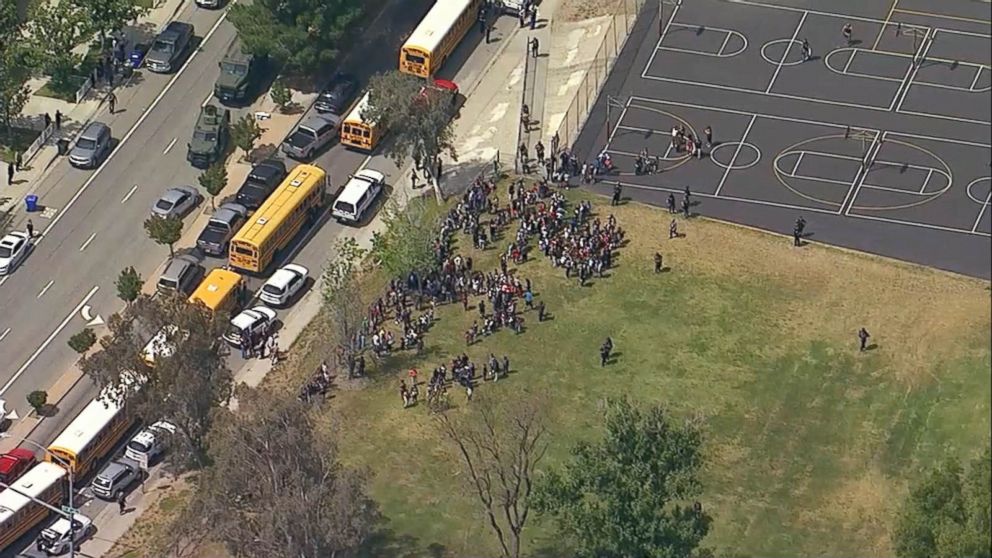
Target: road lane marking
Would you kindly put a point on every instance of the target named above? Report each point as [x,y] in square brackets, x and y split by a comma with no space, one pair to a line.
[4,334]
[207,100]
[87,243]
[134,128]
[129,193]
[45,289]
[168,147]
[48,341]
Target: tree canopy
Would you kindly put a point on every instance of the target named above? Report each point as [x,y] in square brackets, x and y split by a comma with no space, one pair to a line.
[630,494]
[948,514]
[407,242]
[276,487]
[303,35]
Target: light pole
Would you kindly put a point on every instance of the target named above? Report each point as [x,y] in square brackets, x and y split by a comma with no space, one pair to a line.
[71,516]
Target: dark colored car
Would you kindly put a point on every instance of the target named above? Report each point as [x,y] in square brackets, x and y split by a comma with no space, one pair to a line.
[240,75]
[262,180]
[337,96]
[221,227]
[169,47]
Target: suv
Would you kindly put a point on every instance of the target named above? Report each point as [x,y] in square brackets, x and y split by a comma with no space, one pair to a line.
[91,146]
[250,323]
[261,181]
[115,478]
[150,444]
[181,276]
[55,540]
[14,463]
[316,131]
[169,47]
[220,228]
[336,97]
[209,136]
[240,73]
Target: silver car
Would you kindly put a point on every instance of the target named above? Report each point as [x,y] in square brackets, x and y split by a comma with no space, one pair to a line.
[316,131]
[91,146]
[177,202]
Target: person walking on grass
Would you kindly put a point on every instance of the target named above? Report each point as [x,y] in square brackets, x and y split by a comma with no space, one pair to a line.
[863,337]
[657,262]
[673,229]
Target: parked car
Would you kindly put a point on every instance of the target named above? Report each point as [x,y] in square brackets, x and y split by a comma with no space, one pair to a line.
[210,135]
[254,321]
[14,463]
[240,75]
[337,96]
[181,276]
[91,146]
[148,446]
[358,194]
[210,4]
[313,133]
[55,539]
[115,478]
[169,47]
[262,180]
[221,227]
[13,248]
[177,202]
[284,284]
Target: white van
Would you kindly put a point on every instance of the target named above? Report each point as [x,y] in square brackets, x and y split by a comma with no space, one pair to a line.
[358,195]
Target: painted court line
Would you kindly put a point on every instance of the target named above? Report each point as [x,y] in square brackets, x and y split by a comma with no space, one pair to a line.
[730,165]
[944,16]
[788,47]
[859,178]
[978,219]
[915,224]
[854,53]
[661,38]
[732,198]
[974,82]
[867,186]
[926,181]
[724,45]
[885,24]
[915,68]
[799,159]
[743,113]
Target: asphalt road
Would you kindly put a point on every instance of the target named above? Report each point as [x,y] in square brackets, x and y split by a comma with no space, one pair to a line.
[97,229]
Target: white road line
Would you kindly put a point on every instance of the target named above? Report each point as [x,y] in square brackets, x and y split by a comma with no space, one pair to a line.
[87,243]
[168,147]
[785,54]
[129,193]
[207,100]
[730,165]
[664,32]
[5,333]
[48,341]
[134,128]
[45,289]
[974,229]
[926,181]
[799,159]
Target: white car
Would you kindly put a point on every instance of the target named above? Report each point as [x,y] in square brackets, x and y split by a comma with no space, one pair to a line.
[13,248]
[283,285]
[255,321]
[148,445]
[55,540]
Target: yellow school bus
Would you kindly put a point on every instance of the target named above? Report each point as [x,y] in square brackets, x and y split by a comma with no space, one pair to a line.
[295,202]
[20,510]
[219,290]
[437,35]
[358,132]
[92,434]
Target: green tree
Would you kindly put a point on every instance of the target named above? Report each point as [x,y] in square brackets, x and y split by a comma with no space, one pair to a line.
[129,285]
[406,243]
[164,230]
[56,28]
[948,513]
[82,341]
[107,16]
[274,457]
[185,385]
[214,180]
[630,493]
[301,35]
[244,133]
[420,123]
[38,399]
[15,71]
[281,95]
[345,301]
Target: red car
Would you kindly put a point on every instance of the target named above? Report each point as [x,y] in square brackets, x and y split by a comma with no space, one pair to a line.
[14,463]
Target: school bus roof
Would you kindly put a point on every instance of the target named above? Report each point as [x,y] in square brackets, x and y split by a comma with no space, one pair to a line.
[436,24]
[277,207]
[87,425]
[215,287]
[31,485]
[355,114]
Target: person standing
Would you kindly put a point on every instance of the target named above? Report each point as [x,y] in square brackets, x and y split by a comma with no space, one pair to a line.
[617,192]
[673,229]
[863,337]
[19,161]
[539,150]
[708,132]
[555,141]
[121,503]
[807,51]
[112,102]
[685,207]
[413,178]
[58,120]
[657,262]
[797,237]
[848,32]
[30,229]
[10,174]
[671,203]
[535,48]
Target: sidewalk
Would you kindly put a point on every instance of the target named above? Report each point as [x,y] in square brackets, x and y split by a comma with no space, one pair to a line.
[75,116]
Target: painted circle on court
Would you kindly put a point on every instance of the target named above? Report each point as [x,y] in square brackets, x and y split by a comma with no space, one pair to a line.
[676,159]
[980,190]
[806,146]
[748,155]
[774,52]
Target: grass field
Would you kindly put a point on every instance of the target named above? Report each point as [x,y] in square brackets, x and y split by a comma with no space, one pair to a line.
[810,443]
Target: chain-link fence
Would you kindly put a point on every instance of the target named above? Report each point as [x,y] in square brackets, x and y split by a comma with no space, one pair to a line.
[624,15]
